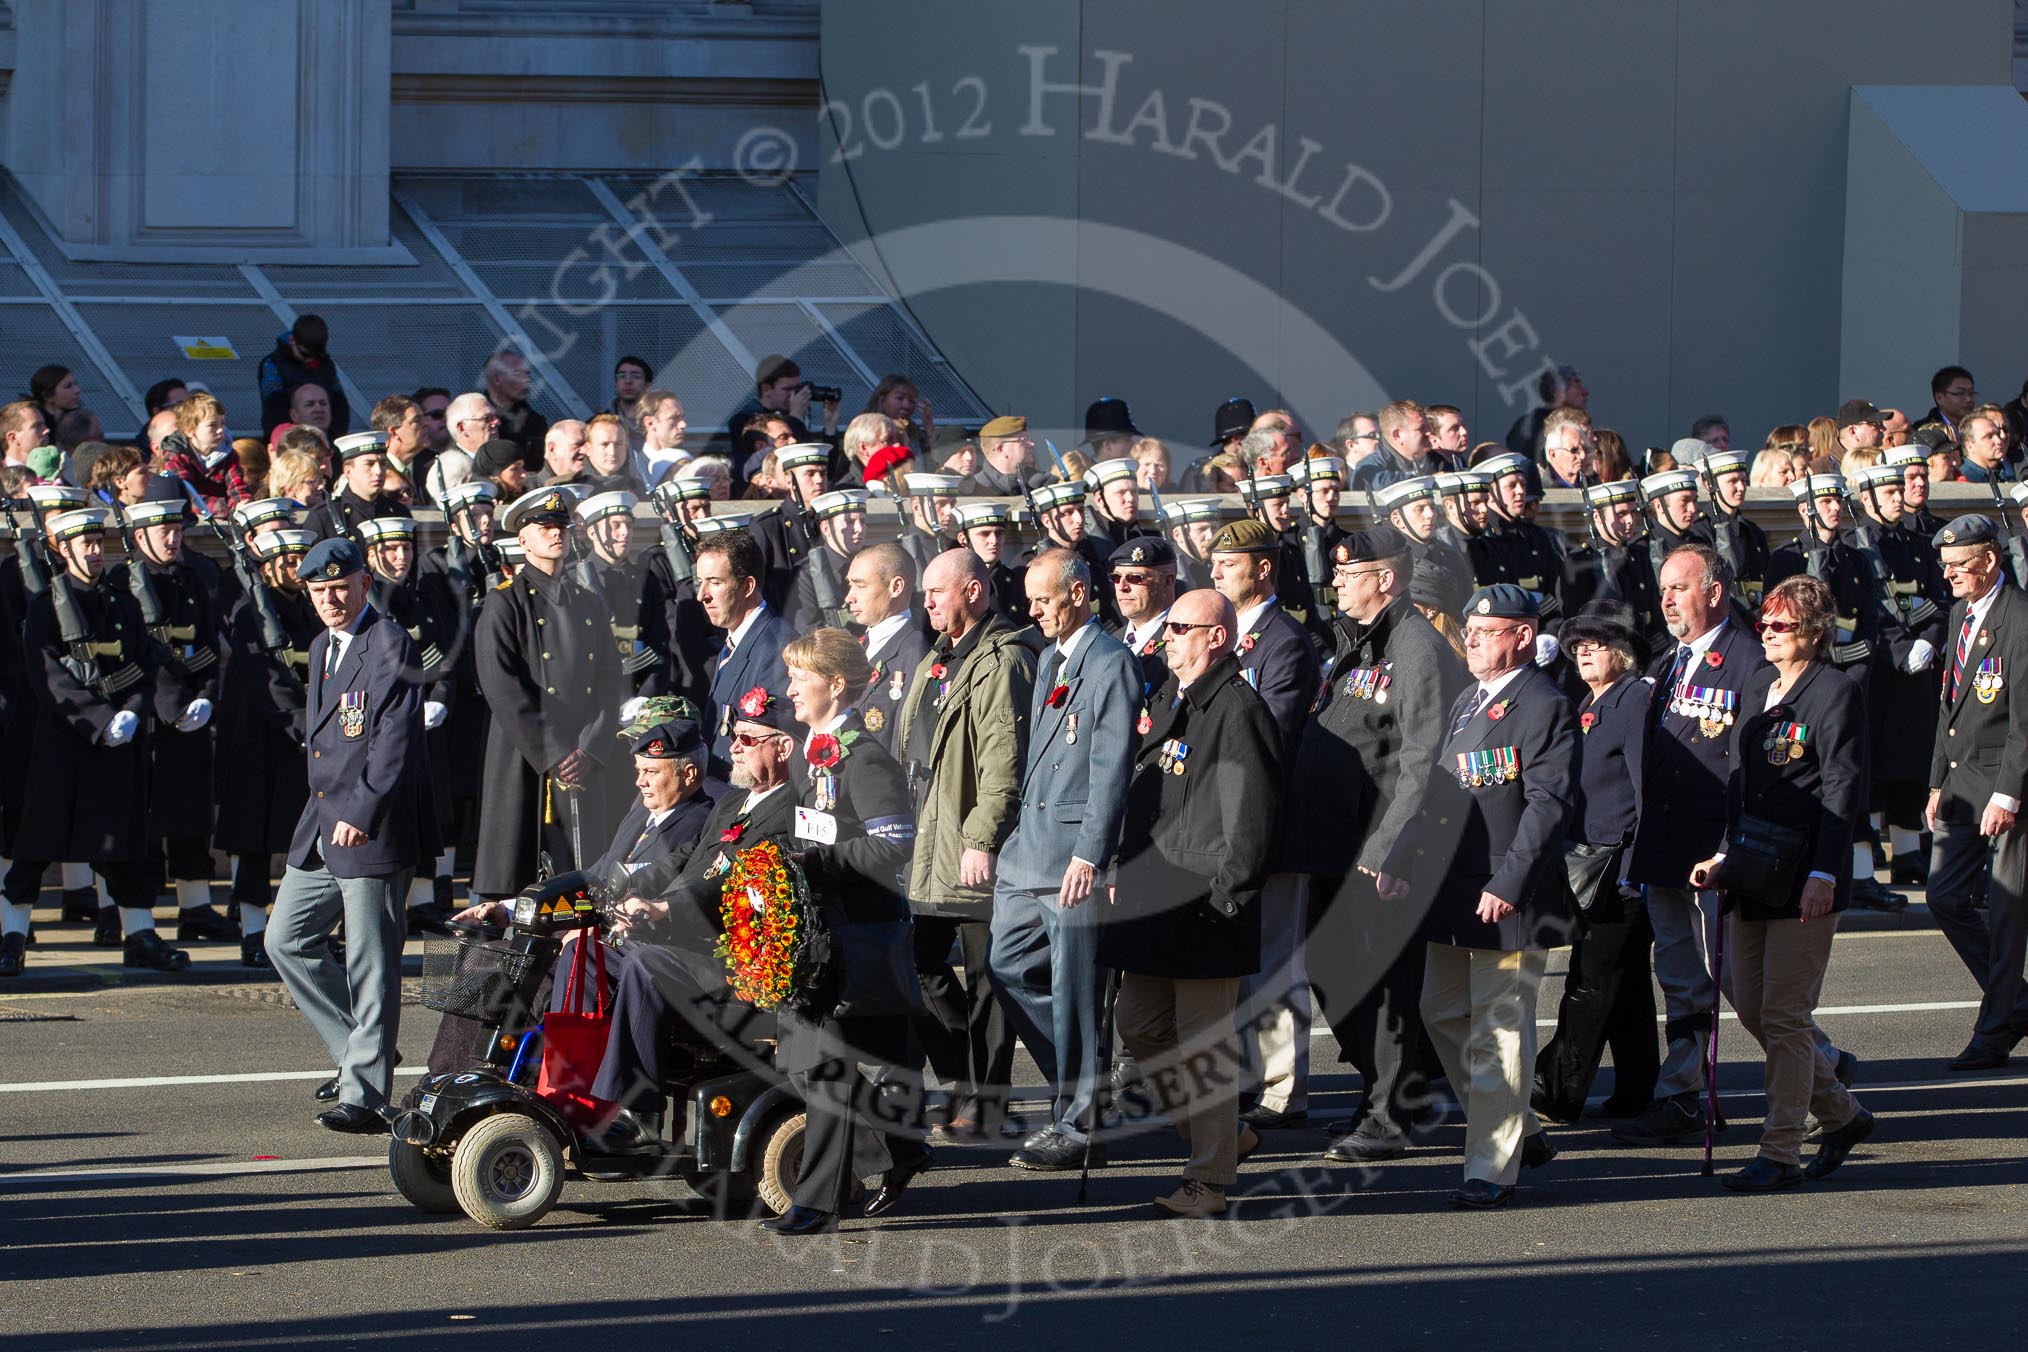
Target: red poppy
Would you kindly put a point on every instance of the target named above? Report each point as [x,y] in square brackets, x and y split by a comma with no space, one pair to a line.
[937,671]
[754,702]
[731,834]
[1497,712]
[1587,720]
[1148,648]
[1712,659]
[1146,725]
[823,752]
[1058,696]
[1246,644]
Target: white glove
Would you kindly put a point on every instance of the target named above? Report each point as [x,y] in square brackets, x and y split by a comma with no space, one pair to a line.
[433,715]
[631,710]
[1546,649]
[120,728]
[1920,656]
[195,716]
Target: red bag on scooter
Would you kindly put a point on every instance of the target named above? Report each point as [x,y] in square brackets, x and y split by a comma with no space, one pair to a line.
[574,1038]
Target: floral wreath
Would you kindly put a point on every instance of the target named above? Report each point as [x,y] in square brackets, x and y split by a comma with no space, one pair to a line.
[766,909]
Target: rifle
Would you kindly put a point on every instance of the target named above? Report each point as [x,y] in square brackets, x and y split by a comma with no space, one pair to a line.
[274,636]
[139,581]
[1608,582]
[28,547]
[675,549]
[492,571]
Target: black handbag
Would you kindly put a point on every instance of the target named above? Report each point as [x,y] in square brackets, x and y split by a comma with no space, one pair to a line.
[1762,862]
[1591,869]
[873,962]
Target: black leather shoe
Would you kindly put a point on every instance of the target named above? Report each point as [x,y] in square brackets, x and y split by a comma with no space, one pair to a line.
[428,918]
[1763,1175]
[802,1220]
[1670,1121]
[1480,1195]
[1050,1151]
[1564,1113]
[626,1134]
[1869,895]
[106,933]
[1537,1150]
[1838,1144]
[253,952]
[80,905]
[1847,1069]
[354,1118]
[13,954]
[205,925]
[1619,1107]
[1911,870]
[1364,1147]
[327,1092]
[1270,1119]
[1974,1057]
[894,1183]
[146,949]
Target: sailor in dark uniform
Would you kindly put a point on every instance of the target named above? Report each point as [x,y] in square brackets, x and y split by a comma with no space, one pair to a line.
[1533,556]
[1065,524]
[818,599]
[91,668]
[1913,461]
[611,569]
[1192,524]
[551,684]
[1615,565]
[672,620]
[362,466]
[425,605]
[1674,519]
[1741,543]
[178,593]
[928,527]
[987,529]
[262,784]
[470,562]
[1463,495]
[880,588]
[1320,482]
[1269,499]
[1410,506]
[1822,550]
[788,536]
[1115,497]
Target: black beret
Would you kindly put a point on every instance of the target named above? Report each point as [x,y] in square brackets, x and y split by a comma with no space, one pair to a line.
[668,740]
[1151,551]
[1969,529]
[331,560]
[495,456]
[767,707]
[1503,601]
[1370,545]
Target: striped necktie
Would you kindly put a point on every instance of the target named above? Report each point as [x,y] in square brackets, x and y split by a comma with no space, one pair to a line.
[1472,707]
[1963,654]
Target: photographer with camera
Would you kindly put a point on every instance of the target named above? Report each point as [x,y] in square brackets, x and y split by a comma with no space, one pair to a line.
[780,390]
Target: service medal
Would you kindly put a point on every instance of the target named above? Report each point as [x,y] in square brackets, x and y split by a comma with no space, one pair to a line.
[1070,729]
[875,720]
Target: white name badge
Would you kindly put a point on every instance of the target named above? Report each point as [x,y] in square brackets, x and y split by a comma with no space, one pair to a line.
[820,827]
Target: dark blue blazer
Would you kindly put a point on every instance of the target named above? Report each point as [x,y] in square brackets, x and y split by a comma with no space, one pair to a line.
[756,661]
[368,766]
[1281,664]
[1612,742]
[1683,785]
[677,829]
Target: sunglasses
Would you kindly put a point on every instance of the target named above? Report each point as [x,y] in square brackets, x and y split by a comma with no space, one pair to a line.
[750,740]
[1778,626]
[1133,579]
[1180,627]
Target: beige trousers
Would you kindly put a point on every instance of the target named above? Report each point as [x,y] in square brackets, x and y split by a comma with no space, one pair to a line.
[1180,1032]
[1478,1005]
[1777,971]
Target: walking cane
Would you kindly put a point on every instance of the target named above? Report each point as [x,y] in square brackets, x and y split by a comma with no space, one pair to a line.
[1104,1081]
[1711,1056]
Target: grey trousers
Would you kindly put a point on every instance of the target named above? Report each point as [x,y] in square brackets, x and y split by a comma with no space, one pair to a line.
[354,1007]
[1044,967]
[1686,930]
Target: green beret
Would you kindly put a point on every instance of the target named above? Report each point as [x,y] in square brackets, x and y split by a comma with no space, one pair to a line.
[1246,537]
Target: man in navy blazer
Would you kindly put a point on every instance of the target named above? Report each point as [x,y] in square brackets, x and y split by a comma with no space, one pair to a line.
[729,573]
[1275,653]
[365,829]
[1081,743]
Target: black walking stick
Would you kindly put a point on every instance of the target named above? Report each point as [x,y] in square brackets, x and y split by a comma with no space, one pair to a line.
[1711,1055]
[1103,1082]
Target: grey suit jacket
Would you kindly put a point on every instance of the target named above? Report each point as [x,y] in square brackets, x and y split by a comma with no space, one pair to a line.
[1080,762]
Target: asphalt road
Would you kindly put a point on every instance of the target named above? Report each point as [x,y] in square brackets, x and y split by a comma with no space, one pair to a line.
[216,1214]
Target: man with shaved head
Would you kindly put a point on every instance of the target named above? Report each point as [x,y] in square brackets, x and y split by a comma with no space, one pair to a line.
[1183,928]
[962,738]
[879,587]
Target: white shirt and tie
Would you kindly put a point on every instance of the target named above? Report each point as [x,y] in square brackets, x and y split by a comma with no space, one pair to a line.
[1137,636]
[882,632]
[738,634]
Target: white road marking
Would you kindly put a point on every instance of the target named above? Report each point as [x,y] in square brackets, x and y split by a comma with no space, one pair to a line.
[158,1081]
[211,1167]
[1319,1030]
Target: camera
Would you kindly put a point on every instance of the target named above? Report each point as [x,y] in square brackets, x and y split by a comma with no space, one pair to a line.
[825,394]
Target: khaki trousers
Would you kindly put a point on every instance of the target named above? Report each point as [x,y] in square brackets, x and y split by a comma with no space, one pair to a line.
[1180,1032]
[1777,976]
[1478,1005]
[1277,999]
